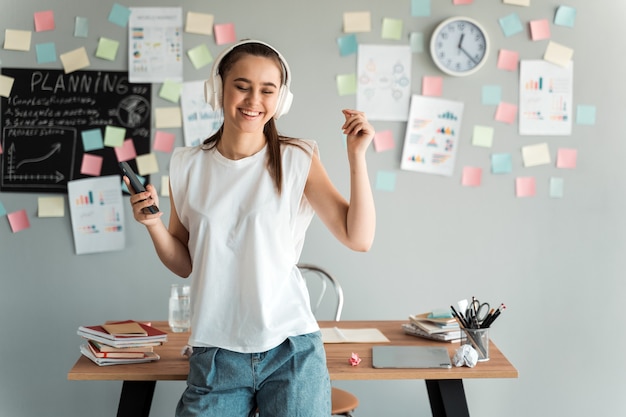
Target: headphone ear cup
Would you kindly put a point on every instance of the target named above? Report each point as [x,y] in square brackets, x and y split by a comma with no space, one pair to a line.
[213,92]
[285,99]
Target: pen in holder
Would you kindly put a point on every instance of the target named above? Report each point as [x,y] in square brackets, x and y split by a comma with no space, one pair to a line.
[479,340]
[475,325]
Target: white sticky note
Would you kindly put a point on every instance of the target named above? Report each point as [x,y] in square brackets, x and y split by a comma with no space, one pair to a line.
[517,2]
[147,164]
[165,186]
[168,117]
[17,40]
[558,54]
[534,155]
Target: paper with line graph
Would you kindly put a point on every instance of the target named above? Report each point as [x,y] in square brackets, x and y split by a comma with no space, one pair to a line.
[432,135]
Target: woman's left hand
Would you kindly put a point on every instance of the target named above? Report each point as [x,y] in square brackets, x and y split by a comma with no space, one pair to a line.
[359,131]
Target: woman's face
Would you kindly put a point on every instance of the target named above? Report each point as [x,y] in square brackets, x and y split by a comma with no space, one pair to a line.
[251,89]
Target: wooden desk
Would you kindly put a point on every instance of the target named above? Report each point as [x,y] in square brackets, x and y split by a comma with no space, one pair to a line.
[445,386]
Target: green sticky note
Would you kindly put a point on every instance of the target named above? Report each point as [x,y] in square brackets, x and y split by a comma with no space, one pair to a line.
[170,90]
[491,95]
[565,16]
[385,180]
[501,163]
[392,29]
[119,15]
[585,115]
[556,187]
[107,49]
[348,44]
[3,211]
[200,56]
[416,40]
[420,8]
[114,136]
[511,24]
[81,27]
[46,52]
[346,84]
[482,136]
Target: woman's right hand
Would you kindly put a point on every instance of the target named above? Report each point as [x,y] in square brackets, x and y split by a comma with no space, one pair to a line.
[141,201]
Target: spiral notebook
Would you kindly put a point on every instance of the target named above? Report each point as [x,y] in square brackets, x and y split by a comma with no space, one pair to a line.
[410,357]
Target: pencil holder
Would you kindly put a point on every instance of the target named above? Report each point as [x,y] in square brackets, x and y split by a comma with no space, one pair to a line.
[479,340]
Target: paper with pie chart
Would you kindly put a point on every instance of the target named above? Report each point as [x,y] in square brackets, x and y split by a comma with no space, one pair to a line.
[432,135]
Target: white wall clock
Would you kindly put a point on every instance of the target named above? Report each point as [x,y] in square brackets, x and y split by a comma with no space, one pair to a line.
[459,46]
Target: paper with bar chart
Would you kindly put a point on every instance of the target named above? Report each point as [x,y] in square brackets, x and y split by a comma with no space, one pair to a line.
[545,98]
[97,214]
[432,135]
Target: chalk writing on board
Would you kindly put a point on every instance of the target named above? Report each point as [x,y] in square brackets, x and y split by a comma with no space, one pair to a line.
[46,114]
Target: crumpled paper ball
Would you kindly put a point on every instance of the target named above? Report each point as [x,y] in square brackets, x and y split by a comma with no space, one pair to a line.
[354,359]
[465,355]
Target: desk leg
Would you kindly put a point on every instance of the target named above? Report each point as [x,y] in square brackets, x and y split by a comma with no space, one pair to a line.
[136,399]
[447,398]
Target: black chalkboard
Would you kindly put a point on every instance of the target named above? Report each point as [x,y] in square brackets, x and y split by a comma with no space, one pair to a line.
[44,117]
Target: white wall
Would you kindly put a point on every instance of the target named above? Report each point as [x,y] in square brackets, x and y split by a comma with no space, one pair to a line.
[555,262]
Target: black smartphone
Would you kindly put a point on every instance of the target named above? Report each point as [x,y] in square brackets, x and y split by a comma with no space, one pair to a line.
[136,184]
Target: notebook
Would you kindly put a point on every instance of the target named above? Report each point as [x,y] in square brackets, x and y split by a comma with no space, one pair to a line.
[410,357]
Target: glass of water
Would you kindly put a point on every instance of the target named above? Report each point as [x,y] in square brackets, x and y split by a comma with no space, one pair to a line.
[179,310]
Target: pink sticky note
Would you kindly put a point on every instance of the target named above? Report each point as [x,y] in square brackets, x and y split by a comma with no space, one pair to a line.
[508,60]
[92,165]
[432,86]
[164,141]
[539,29]
[224,33]
[44,21]
[506,112]
[0,148]
[126,152]
[457,2]
[383,141]
[525,186]
[472,176]
[18,220]
[566,158]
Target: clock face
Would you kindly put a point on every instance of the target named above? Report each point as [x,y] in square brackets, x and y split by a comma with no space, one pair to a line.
[459,46]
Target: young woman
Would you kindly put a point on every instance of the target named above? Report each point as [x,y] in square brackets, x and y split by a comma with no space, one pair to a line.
[240,207]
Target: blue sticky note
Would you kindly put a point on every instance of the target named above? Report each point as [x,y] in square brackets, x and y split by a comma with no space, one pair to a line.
[386,180]
[491,95]
[348,44]
[501,163]
[3,211]
[511,24]
[46,52]
[556,187]
[585,115]
[92,139]
[119,15]
[565,16]
[416,40]
[81,27]
[420,8]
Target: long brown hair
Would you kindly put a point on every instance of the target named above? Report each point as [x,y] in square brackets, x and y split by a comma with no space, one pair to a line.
[273,139]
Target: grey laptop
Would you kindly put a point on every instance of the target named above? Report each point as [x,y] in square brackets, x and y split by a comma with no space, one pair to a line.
[410,357]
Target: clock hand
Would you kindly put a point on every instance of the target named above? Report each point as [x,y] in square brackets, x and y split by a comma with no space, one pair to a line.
[461,41]
[468,55]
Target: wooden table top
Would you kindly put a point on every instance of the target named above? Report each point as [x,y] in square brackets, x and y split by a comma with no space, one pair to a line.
[174,367]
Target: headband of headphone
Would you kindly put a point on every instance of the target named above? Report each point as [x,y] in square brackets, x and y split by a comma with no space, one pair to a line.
[213,86]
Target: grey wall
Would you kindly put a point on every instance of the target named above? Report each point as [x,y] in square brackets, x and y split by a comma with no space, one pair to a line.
[556,263]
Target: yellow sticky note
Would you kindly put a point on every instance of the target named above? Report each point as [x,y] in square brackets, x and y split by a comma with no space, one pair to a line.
[74,60]
[517,2]
[200,56]
[357,22]
[107,49]
[147,164]
[51,207]
[482,136]
[200,23]
[168,117]
[165,186]
[17,40]
[170,90]
[392,29]
[558,54]
[534,155]
[6,85]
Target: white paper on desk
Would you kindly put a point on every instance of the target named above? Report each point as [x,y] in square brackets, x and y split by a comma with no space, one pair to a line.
[337,335]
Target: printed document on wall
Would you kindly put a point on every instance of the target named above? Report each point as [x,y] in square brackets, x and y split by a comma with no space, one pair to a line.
[545,98]
[97,214]
[199,119]
[432,135]
[155,44]
[384,81]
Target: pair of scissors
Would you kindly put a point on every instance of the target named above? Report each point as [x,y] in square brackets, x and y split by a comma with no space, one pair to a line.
[477,311]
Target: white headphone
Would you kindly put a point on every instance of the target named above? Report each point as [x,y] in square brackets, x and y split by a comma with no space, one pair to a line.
[213,86]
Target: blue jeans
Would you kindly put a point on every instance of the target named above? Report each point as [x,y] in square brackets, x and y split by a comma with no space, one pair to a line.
[290,380]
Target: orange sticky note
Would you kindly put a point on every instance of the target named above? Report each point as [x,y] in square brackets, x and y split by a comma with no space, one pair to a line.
[383,141]
[506,112]
[566,158]
[539,29]
[525,186]
[18,220]
[432,86]
[44,21]
[472,176]
[224,33]
[508,60]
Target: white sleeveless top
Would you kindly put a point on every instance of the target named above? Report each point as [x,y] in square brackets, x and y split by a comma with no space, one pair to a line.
[245,240]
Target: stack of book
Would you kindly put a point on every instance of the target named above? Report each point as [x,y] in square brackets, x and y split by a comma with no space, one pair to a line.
[121,342]
[443,329]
